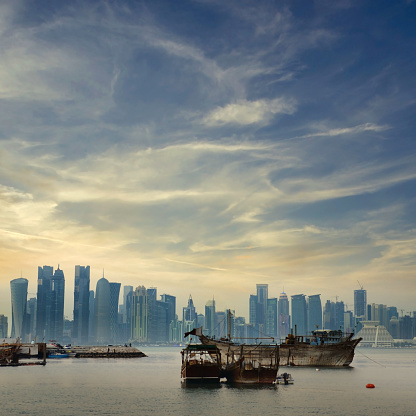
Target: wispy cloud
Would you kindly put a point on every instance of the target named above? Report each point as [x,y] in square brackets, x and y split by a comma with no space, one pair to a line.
[346,130]
[245,112]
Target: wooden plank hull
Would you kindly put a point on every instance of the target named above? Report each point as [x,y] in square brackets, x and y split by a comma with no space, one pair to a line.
[242,373]
[200,372]
[329,355]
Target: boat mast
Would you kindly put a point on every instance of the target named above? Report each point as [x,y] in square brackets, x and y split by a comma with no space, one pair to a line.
[229,324]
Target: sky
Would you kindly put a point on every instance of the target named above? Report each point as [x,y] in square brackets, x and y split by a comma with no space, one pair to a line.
[205,146]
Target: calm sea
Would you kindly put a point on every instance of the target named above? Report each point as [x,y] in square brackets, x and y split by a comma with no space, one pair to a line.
[152,386]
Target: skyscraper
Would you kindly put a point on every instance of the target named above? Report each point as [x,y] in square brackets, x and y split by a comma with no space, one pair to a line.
[114,298]
[152,314]
[210,318]
[18,289]
[258,309]
[252,318]
[188,312]
[262,296]
[81,305]
[339,316]
[91,321]
[283,316]
[171,301]
[139,315]
[102,312]
[4,327]
[57,298]
[272,318]
[360,303]
[43,306]
[31,315]
[299,314]
[314,313]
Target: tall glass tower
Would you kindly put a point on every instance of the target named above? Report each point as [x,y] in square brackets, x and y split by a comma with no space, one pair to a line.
[102,311]
[114,298]
[57,297]
[18,289]
[139,315]
[299,314]
[210,318]
[360,303]
[81,305]
[314,313]
[262,296]
[43,305]
[283,316]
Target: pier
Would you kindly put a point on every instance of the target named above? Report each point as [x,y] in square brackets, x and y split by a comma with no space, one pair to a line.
[113,351]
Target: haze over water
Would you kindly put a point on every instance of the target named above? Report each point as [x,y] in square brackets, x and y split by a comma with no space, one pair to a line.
[152,386]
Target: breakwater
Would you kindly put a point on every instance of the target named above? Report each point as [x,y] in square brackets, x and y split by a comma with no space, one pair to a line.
[105,352]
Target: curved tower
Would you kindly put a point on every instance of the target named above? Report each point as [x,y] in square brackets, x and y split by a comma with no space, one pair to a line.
[18,289]
[102,311]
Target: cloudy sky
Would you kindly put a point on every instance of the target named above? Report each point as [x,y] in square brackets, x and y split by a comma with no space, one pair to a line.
[204,146]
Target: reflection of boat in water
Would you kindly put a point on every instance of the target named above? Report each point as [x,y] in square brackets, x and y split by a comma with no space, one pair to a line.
[285,378]
[201,363]
[322,348]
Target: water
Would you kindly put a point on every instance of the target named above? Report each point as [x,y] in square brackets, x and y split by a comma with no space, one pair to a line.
[152,386]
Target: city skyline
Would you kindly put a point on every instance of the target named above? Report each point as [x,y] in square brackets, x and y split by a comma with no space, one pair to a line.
[202,147]
[356,303]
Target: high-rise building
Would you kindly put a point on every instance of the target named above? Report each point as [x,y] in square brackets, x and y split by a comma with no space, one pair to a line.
[176,331]
[360,303]
[339,316]
[50,304]
[31,315]
[210,318]
[122,307]
[18,289]
[114,299]
[102,312]
[4,327]
[221,318]
[188,312]
[272,322]
[91,322]
[299,314]
[258,309]
[252,318]
[283,316]
[43,306]
[329,316]
[171,301]
[80,326]
[314,313]
[139,315]
[262,296]
[152,315]
[57,298]
[125,311]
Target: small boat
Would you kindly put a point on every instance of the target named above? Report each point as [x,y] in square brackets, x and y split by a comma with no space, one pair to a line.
[58,355]
[201,363]
[284,378]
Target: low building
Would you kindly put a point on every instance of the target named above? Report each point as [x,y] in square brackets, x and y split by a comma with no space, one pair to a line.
[374,335]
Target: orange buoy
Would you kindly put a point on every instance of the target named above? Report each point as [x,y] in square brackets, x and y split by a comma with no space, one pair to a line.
[370,386]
